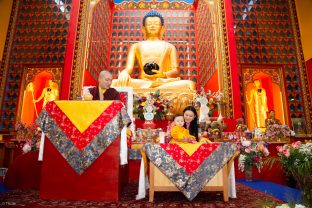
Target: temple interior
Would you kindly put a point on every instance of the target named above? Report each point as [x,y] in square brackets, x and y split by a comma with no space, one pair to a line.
[236,61]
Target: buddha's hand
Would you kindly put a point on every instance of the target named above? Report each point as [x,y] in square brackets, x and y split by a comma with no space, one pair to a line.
[158,74]
[123,78]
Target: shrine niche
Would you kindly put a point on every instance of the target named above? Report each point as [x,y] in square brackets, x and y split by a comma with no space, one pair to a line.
[263,90]
[41,84]
[197,30]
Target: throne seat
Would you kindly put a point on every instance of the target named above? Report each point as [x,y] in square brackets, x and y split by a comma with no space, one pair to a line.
[179,98]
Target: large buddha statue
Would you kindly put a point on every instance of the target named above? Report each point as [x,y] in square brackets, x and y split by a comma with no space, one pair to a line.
[156,59]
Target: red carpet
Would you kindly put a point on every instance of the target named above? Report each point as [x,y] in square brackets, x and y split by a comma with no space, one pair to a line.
[247,197]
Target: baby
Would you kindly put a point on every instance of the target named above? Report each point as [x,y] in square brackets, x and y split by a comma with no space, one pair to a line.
[180,134]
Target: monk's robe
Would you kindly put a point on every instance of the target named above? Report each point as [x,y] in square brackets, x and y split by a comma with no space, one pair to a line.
[109,94]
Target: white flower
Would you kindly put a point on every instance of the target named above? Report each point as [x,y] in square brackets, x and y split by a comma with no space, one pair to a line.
[26,148]
[300,206]
[246,143]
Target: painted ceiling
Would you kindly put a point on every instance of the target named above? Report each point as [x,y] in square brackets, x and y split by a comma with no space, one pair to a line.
[186,1]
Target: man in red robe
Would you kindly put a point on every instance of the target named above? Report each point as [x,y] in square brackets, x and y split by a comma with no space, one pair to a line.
[104,91]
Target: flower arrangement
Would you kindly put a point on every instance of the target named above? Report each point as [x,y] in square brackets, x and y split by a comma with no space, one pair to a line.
[296,158]
[251,154]
[212,100]
[277,131]
[28,136]
[161,105]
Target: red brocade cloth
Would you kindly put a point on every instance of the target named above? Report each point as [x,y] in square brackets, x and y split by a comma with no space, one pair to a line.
[81,158]
[189,162]
[189,166]
[82,139]
[82,130]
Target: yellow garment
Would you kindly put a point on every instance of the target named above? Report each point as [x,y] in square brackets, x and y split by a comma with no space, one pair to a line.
[101,93]
[92,110]
[102,90]
[178,133]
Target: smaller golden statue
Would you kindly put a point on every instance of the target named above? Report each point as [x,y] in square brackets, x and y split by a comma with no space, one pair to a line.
[49,93]
[257,103]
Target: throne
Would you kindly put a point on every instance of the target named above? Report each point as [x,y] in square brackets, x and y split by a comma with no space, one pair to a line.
[179,98]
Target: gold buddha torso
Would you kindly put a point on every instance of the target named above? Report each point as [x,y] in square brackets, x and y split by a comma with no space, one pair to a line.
[154,51]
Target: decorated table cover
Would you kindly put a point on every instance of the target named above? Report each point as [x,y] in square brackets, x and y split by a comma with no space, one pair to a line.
[82,130]
[190,166]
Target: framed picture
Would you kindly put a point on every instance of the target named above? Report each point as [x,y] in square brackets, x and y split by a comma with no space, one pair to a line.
[299,126]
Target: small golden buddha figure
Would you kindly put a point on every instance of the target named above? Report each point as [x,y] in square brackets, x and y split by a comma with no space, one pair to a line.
[157,59]
[48,94]
[258,105]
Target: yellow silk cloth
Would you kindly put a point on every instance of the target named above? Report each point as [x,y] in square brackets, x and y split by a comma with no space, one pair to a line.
[189,148]
[91,111]
[137,146]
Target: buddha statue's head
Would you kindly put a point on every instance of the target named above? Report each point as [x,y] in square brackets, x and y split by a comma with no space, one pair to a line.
[257,83]
[51,83]
[153,25]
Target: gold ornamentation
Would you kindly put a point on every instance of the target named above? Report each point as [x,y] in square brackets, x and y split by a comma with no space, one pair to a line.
[7,49]
[301,66]
[78,60]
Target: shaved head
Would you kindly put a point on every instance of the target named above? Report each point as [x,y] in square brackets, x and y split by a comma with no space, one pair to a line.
[105,79]
[103,73]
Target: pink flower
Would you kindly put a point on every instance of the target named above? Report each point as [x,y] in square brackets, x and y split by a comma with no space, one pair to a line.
[279,148]
[266,152]
[286,152]
[248,150]
[296,144]
[256,159]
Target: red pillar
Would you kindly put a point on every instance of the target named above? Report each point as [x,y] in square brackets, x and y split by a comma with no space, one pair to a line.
[70,49]
[236,99]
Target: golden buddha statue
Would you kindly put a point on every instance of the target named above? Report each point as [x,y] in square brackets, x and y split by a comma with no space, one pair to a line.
[49,93]
[258,105]
[157,60]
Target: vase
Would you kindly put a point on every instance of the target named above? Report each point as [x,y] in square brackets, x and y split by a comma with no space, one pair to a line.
[248,173]
[304,182]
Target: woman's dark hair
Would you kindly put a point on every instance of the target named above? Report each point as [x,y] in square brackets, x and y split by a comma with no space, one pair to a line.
[193,129]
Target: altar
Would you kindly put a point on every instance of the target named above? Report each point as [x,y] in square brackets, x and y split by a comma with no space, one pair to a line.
[188,168]
[81,153]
